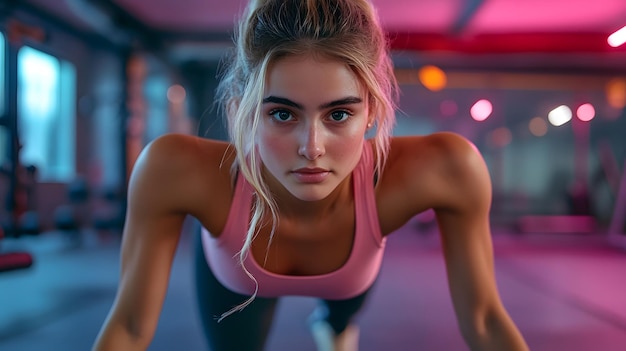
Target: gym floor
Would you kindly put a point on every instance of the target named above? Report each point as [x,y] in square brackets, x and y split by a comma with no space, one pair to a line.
[565,292]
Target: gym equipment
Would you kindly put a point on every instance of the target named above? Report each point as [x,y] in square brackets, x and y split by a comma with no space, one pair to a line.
[15,260]
[74,219]
[21,180]
[10,261]
[65,219]
[71,217]
[29,224]
[108,211]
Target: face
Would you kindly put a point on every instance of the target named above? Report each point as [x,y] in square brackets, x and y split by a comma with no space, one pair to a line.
[314,119]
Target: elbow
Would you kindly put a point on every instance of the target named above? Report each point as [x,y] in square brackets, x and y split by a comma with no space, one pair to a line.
[474,324]
[122,335]
[138,332]
[120,341]
[139,335]
[493,330]
[473,333]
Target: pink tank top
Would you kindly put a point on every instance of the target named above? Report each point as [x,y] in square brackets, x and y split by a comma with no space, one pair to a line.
[352,279]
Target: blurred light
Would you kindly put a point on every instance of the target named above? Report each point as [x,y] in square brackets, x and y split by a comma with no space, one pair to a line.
[538,126]
[500,137]
[616,93]
[176,94]
[618,38]
[560,115]
[481,110]
[432,77]
[585,112]
[136,67]
[39,76]
[448,108]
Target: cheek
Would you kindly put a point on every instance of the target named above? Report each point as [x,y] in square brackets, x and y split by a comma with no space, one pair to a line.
[349,146]
[271,145]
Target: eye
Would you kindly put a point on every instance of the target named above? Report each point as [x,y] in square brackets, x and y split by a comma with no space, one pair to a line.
[281,115]
[339,116]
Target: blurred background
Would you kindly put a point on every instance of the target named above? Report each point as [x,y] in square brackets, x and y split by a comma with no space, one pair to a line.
[538,86]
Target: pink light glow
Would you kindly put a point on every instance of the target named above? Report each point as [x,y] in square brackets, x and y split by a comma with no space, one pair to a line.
[618,38]
[545,16]
[586,112]
[481,110]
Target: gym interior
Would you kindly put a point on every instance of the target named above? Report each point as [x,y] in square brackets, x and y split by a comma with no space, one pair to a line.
[539,88]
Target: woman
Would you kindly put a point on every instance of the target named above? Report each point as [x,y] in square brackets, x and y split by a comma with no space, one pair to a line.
[300,203]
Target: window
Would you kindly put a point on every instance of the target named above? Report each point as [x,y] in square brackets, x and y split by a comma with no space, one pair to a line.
[4,132]
[46,109]
[2,81]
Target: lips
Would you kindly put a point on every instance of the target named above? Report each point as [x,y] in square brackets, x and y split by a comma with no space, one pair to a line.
[311,175]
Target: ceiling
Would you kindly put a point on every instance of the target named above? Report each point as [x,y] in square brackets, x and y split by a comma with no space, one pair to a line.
[454,32]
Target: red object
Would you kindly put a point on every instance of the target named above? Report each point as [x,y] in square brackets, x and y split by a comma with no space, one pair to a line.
[551,42]
[15,260]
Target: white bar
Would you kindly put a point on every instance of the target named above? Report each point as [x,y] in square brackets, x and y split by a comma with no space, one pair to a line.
[618,38]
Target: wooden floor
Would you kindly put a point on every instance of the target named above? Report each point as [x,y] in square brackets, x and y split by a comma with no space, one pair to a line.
[564,292]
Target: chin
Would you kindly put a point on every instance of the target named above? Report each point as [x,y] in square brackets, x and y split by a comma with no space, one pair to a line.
[310,195]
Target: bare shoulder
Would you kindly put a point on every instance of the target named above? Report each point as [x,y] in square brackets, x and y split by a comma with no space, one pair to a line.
[463,173]
[184,174]
[442,170]
[173,151]
[440,147]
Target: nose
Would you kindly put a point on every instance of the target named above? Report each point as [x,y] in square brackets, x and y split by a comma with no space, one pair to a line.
[311,142]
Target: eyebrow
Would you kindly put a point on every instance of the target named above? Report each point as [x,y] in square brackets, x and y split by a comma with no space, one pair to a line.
[350,100]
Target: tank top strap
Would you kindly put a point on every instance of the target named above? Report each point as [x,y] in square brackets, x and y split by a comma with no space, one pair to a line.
[241,204]
[365,197]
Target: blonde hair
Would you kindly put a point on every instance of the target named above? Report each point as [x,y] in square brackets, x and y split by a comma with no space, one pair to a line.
[346,30]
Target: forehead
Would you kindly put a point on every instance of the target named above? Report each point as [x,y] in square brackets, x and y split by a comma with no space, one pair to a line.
[312,77]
